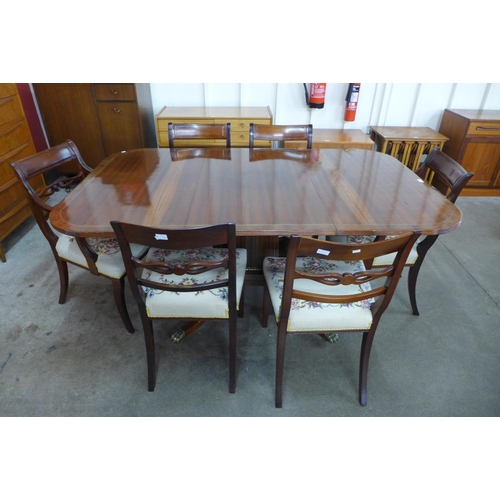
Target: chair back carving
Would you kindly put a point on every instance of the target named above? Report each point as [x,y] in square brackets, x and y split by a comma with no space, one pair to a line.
[49,162]
[281,133]
[320,249]
[192,131]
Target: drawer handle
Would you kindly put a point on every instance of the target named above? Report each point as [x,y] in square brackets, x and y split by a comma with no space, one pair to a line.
[487,128]
[117,110]
[114,92]
[242,125]
[242,136]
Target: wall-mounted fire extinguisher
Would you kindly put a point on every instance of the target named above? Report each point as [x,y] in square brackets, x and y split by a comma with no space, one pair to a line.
[317,98]
[351,104]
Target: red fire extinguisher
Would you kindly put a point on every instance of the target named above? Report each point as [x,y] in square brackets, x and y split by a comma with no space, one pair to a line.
[317,98]
[351,104]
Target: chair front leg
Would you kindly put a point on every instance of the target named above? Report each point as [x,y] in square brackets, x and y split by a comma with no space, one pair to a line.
[119,296]
[62,267]
[366,345]
[147,325]
[266,304]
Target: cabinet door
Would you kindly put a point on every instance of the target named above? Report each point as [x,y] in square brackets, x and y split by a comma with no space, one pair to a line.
[482,158]
[120,126]
[68,112]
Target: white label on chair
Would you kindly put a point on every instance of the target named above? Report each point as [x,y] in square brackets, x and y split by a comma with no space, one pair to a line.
[356,251]
[161,237]
[420,180]
[323,252]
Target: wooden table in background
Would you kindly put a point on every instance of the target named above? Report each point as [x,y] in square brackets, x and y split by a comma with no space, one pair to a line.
[333,138]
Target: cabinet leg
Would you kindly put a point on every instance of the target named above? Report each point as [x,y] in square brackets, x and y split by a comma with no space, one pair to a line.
[2,254]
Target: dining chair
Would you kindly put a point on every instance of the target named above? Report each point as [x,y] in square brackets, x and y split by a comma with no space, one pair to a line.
[449,178]
[190,131]
[185,275]
[281,133]
[323,286]
[100,256]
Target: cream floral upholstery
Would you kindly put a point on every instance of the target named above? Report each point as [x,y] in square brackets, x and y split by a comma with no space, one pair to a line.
[383,260]
[316,316]
[206,304]
[109,260]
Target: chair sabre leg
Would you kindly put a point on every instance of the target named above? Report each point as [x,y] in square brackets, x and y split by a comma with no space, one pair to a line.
[119,295]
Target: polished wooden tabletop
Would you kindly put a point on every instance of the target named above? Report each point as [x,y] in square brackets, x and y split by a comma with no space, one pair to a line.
[264,192]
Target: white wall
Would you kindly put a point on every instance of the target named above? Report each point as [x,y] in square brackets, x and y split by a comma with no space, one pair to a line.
[390,104]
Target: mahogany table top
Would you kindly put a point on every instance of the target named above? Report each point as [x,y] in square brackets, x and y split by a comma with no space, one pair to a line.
[264,192]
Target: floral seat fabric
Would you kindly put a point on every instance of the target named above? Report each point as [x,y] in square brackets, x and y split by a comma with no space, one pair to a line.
[383,260]
[109,260]
[206,304]
[319,316]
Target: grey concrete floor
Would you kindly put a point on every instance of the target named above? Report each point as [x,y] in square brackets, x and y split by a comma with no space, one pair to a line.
[77,359]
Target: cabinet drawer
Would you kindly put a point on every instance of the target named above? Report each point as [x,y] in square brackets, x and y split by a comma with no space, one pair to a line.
[10,109]
[114,91]
[484,128]
[13,136]
[23,151]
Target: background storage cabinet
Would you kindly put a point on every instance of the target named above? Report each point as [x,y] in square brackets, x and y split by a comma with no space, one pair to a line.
[239,118]
[475,144]
[15,144]
[407,144]
[100,118]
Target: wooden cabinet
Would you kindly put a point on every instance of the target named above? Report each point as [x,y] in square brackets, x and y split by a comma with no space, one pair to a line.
[100,118]
[407,144]
[239,118]
[15,143]
[474,142]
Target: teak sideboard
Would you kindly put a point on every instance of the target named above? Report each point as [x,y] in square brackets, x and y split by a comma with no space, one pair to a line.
[239,118]
[15,143]
[474,142]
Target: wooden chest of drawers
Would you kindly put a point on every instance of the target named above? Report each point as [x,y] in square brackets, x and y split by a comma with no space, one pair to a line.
[239,118]
[475,144]
[15,144]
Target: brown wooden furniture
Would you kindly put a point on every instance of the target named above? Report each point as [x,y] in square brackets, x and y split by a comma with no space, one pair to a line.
[407,144]
[280,133]
[475,144]
[239,118]
[332,275]
[327,191]
[449,178]
[100,257]
[196,132]
[331,138]
[183,262]
[15,143]
[101,118]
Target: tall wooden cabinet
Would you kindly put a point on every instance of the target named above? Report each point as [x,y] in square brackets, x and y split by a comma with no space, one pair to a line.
[100,118]
[15,144]
[474,142]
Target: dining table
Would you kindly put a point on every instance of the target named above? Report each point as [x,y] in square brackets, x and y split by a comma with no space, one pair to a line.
[267,193]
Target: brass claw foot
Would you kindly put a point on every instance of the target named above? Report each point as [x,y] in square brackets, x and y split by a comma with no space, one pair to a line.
[178,336]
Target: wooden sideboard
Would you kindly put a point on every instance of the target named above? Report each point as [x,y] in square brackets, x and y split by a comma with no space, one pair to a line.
[100,118]
[474,142]
[239,118]
[15,143]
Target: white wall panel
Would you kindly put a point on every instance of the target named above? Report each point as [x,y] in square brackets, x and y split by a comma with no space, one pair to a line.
[385,104]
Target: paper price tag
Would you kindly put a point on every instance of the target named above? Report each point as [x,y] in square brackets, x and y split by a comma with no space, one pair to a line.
[161,237]
[356,251]
[323,252]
